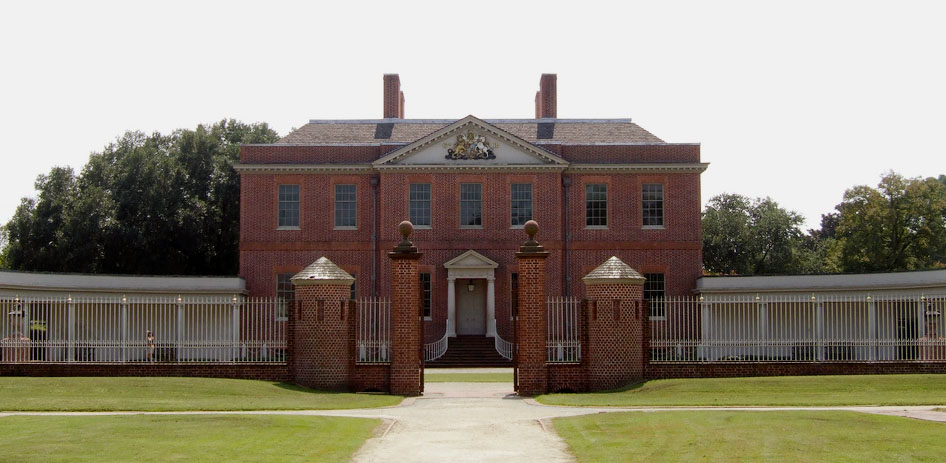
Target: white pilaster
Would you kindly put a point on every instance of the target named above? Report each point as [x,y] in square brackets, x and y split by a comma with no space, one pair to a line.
[451,307]
[491,307]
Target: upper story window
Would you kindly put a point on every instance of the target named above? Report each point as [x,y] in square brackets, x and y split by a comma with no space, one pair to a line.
[288,211]
[425,287]
[652,204]
[345,207]
[521,204]
[420,204]
[285,295]
[596,205]
[655,294]
[471,205]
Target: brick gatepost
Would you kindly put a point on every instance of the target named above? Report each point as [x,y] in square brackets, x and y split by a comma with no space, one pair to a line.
[406,317]
[532,335]
[614,355]
[320,327]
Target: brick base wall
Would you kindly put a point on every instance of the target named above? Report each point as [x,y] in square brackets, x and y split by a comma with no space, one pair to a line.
[371,378]
[567,378]
[734,370]
[260,371]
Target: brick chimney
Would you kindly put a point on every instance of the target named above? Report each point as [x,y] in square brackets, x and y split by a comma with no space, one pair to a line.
[393,97]
[545,99]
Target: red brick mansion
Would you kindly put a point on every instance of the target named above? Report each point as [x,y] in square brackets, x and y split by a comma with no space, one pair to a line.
[598,188]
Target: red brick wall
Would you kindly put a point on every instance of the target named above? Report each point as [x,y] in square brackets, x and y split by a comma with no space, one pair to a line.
[532,333]
[261,371]
[614,353]
[727,370]
[321,330]
[406,326]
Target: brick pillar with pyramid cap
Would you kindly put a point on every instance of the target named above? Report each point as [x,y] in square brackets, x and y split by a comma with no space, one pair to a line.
[321,327]
[407,317]
[615,320]
[532,331]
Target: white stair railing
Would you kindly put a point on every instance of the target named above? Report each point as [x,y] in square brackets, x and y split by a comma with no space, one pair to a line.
[504,347]
[434,350]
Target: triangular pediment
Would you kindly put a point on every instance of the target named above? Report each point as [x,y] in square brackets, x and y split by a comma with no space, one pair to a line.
[470,142]
[470,259]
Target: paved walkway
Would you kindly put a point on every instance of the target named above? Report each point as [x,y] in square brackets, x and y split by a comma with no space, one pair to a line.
[486,422]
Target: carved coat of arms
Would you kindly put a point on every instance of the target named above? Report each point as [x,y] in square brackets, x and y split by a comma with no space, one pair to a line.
[470,146]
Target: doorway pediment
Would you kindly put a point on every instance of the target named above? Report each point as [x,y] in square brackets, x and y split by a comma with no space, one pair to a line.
[470,260]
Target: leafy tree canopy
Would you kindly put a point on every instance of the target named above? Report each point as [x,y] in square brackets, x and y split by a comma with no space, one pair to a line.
[158,204]
[900,225]
[751,236]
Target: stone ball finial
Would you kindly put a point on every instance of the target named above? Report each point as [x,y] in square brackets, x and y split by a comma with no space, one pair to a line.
[405,228]
[531,227]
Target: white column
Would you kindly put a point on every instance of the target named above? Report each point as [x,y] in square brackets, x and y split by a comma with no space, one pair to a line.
[70,331]
[491,307]
[451,307]
[819,329]
[763,327]
[235,327]
[872,329]
[702,350]
[123,317]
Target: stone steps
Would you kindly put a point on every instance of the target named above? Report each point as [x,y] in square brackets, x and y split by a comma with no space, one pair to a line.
[470,352]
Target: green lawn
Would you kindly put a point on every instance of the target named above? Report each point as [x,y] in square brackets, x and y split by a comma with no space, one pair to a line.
[784,390]
[172,394]
[181,438]
[432,377]
[751,436]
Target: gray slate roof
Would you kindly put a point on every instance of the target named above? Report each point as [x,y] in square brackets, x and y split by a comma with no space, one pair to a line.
[930,280]
[613,270]
[322,271]
[11,281]
[568,131]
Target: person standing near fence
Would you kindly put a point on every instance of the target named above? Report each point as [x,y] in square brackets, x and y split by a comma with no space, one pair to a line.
[150,339]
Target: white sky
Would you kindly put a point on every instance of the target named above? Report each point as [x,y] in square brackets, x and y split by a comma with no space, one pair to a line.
[797,101]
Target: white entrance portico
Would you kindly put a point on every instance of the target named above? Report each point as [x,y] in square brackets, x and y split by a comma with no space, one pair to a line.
[466,267]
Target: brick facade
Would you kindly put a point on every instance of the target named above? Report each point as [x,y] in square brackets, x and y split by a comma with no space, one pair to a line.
[557,157]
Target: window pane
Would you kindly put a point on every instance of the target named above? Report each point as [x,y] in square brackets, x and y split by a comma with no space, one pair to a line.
[471,204]
[288,209]
[425,286]
[521,195]
[654,293]
[353,294]
[420,203]
[285,294]
[345,206]
[596,205]
[652,207]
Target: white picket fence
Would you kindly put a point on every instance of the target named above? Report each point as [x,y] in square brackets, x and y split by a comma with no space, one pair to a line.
[563,343]
[373,330]
[837,328]
[115,330]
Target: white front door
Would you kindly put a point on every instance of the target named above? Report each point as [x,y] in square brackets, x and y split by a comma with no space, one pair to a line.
[471,308]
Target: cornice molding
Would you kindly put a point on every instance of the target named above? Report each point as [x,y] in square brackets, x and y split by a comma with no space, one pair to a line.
[304,168]
[697,167]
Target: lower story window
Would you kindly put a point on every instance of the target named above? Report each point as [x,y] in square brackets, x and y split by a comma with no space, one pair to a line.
[425,287]
[285,294]
[655,294]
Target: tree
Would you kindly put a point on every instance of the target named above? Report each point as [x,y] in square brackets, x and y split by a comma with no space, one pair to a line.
[751,236]
[900,225]
[158,204]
